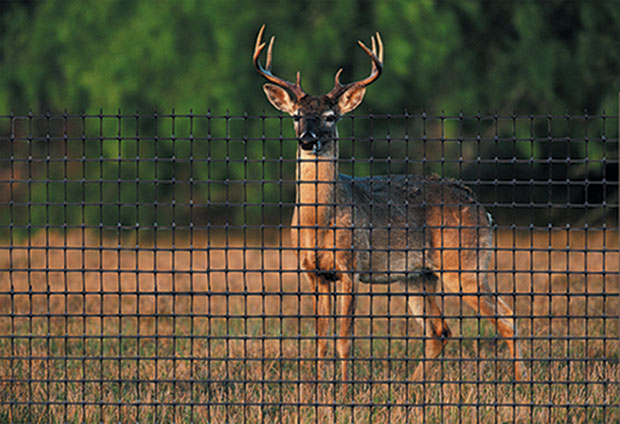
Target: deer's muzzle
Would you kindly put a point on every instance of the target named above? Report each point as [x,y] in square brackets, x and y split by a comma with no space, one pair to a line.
[308,140]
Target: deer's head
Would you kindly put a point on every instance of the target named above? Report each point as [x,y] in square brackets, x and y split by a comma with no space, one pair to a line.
[315,117]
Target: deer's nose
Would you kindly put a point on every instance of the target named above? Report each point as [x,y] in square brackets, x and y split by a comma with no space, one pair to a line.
[308,136]
[308,140]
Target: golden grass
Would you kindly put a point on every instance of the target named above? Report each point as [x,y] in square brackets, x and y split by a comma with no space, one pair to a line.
[210,332]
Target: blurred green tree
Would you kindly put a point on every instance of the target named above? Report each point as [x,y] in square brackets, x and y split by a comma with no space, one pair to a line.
[440,55]
[119,57]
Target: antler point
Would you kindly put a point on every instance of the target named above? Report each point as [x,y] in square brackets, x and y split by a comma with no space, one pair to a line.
[337,77]
[269,52]
[376,56]
[266,72]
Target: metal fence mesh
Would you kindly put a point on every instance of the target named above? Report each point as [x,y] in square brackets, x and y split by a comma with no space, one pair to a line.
[147,273]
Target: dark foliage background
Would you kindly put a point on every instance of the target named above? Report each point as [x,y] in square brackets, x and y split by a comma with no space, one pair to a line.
[443,59]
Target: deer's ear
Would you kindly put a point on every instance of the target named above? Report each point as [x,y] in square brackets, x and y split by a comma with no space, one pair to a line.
[279,98]
[351,99]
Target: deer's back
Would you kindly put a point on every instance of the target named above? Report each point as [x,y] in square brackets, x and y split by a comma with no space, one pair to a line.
[408,225]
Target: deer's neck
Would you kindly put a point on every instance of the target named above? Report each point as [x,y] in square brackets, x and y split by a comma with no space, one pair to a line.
[316,185]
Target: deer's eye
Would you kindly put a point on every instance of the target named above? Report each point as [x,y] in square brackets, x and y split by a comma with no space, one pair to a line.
[297,117]
[330,118]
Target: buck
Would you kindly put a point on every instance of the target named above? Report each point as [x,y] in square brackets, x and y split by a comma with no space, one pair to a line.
[423,233]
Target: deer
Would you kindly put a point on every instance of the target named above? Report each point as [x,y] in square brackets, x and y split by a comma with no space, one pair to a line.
[427,234]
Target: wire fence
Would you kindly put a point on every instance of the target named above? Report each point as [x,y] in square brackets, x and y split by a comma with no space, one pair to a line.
[148,271]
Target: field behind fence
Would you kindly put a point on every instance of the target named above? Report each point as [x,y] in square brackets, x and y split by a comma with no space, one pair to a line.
[220,328]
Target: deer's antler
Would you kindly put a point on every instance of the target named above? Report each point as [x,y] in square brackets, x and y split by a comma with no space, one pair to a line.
[376,55]
[266,71]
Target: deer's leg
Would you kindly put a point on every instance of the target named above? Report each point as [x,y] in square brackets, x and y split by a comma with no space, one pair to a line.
[345,302]
[429,316]
[322,311]
[491,307]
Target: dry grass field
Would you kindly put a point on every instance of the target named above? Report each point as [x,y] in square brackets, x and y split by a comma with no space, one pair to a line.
[93,329]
